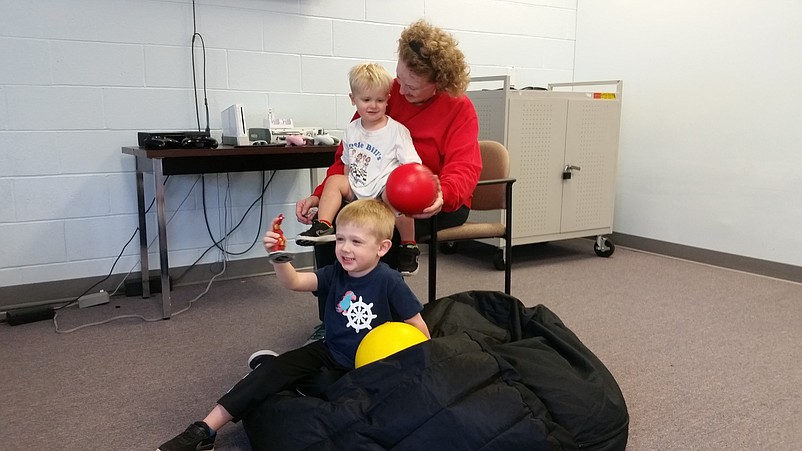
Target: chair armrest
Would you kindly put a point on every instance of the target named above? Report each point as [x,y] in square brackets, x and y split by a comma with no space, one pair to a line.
[496,181]
[507,182]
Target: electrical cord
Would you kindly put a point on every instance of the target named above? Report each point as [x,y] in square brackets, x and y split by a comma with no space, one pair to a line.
[98,323]
[195,34]
[75,301]
[216,242]
[261,216]
[224,253]
[136,316]
[152,241]
[111,271]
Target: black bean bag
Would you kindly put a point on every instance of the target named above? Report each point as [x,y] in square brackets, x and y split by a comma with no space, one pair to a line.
[495,376]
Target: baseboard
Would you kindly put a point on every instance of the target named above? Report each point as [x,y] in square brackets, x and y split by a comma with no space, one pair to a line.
[45,293]
[61,291]
[715,258]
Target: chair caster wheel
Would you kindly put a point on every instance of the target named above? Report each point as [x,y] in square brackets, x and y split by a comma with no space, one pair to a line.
[498,261]
[449,247]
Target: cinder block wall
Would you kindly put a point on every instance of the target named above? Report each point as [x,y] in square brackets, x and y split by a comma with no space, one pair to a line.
[80,78]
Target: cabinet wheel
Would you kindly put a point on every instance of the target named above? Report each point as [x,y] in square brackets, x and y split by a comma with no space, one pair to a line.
[606,249]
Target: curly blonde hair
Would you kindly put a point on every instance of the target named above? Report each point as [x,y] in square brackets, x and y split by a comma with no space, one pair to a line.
[431,52]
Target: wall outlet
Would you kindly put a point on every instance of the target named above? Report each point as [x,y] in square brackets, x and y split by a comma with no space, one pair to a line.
[89,300]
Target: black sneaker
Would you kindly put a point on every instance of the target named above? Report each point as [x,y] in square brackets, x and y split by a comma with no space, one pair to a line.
[258,357]
[408,259]
[317,234]
[195,438]
[318,334]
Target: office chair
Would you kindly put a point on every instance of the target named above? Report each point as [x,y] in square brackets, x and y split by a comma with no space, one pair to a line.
[493,192]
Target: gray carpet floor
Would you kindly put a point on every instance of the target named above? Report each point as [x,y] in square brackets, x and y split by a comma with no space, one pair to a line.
[707,358]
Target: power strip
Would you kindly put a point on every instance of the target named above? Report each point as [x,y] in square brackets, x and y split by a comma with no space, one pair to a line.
[90,300]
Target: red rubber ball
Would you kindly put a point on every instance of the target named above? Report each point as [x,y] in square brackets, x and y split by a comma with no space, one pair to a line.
[411,188]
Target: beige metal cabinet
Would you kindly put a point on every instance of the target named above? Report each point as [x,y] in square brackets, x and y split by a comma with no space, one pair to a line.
[563,151]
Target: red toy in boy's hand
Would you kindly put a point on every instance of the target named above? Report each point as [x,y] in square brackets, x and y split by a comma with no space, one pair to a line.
[278,255]
[411,188]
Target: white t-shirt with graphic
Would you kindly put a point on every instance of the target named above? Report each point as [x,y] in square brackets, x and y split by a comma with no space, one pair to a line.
[371,155]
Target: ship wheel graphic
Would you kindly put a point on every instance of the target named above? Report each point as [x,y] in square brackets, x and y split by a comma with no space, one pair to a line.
[359,315]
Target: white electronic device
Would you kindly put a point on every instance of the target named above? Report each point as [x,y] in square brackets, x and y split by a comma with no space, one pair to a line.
[283,131]
[235,133]
[274,123]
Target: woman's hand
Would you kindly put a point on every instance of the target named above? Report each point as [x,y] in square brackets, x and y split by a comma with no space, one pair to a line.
[435,207]
[302,207]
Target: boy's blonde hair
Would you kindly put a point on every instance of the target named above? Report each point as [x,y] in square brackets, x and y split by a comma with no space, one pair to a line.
[367,76]
[370,214]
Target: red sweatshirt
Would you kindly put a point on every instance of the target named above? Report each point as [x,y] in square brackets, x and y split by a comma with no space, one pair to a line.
[445,131]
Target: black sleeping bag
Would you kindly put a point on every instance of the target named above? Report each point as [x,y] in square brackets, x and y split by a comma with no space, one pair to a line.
[495,376]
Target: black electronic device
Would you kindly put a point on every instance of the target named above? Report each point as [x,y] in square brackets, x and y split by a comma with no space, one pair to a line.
[178,136]
[161,142]
[259,134]
[199,142]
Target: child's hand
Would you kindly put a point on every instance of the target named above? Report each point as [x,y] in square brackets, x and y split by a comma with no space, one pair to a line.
[274,238]
[270,240]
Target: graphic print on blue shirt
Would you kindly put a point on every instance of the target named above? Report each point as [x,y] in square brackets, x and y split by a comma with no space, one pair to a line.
[353,303]
[359,314]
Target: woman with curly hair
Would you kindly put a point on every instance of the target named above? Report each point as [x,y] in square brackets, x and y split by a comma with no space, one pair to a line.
[428,97]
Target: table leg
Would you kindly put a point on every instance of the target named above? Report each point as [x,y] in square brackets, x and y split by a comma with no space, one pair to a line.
[158,176]
[313,182]
[143,232]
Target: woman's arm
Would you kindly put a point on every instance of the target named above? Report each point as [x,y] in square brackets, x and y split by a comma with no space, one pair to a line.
[462,159]
[460,163]
[446,137]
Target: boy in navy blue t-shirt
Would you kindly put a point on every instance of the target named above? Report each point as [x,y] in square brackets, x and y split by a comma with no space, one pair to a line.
[360,292]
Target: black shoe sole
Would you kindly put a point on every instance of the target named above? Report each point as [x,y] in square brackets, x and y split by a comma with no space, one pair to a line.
[314,240]
[409,273]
